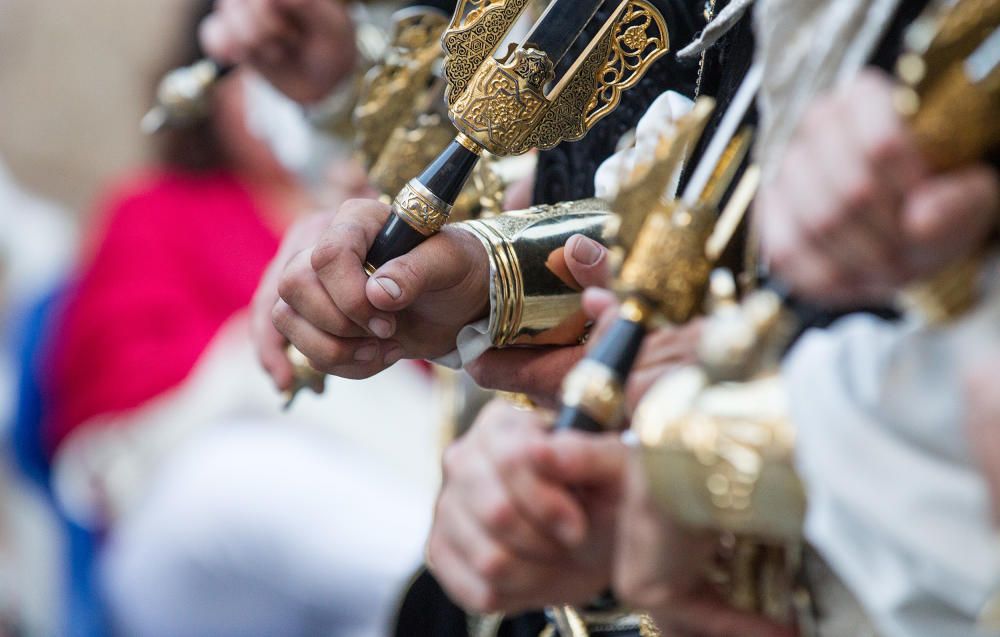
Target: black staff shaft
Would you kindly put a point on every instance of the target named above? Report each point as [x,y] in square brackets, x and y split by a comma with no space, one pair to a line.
[444,179]
[614,356]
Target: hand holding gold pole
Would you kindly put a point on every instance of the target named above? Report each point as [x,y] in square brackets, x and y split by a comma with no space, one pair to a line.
[950,92]
[667,268]
[183,96]
[511,104]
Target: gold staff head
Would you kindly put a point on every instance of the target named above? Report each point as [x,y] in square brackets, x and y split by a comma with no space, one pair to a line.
[509,104]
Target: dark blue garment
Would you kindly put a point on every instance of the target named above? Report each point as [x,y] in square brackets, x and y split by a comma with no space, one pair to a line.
[83,613]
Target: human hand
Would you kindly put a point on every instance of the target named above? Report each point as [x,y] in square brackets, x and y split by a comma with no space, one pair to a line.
[350,181]
[660,568]
[268,341]
[854,212]
[353,326]
[539,373]
[525,518]
[303,47]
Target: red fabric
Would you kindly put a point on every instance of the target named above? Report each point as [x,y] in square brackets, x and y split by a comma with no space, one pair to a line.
[175,256]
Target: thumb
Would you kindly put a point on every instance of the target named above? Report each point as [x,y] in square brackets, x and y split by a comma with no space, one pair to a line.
[948,215]
[587,261]
[441,262]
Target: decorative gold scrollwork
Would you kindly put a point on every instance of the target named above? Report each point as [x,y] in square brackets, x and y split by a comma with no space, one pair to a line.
[505,100]
[639,38]
[475,33]
[617,62]
[502,103]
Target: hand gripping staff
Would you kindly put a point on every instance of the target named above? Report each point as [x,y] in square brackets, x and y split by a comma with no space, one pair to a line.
[514,103]
[183,95]
[950,76]
[511,104]
[671,248]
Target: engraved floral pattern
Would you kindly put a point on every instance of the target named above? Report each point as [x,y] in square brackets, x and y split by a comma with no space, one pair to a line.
[418,212]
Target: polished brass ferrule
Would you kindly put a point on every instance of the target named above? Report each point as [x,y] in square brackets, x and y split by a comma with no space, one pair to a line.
[596,390]
[421,209]
[469,144]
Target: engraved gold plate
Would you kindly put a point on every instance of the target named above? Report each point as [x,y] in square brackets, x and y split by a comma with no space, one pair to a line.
[504,104]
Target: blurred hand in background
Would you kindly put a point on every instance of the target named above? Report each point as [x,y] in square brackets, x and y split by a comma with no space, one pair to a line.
[525,518]
[855,213]
[303,47]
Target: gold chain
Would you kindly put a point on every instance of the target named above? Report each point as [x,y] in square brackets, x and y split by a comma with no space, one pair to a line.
[709,15]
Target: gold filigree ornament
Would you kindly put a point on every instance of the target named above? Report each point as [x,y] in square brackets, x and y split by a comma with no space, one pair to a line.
[391,88]
[950,92]
[509,105]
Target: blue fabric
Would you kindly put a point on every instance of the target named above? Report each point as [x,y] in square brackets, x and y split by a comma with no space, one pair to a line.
[83,614]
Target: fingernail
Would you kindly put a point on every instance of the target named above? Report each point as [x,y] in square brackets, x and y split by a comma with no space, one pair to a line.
[568,533]
[365,354]
[380,327]
[393,356]
[587,251]
[389,286]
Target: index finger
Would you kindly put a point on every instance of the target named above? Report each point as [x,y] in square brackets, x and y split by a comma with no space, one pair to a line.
[339,262]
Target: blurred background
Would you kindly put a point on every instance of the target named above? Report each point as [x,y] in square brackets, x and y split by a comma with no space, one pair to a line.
[75,77]
[143,487]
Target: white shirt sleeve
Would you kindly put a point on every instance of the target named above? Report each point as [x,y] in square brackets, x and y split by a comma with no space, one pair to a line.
[896,505]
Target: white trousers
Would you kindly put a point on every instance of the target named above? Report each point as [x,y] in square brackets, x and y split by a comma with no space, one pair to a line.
[258,529]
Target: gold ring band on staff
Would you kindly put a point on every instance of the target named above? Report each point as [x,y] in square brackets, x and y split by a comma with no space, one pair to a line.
[421,209]
[596,390]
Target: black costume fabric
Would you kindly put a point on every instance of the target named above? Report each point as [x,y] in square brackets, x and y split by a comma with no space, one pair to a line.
[566,173]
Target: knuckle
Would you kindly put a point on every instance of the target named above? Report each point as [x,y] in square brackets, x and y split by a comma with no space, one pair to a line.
[354,305]
[452,461]
[860,194]
[360,208]
[326,358]
[491,563]
[291,284]
[500,515]
[329,250]
[884,147]
[281,316]
[510,458]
